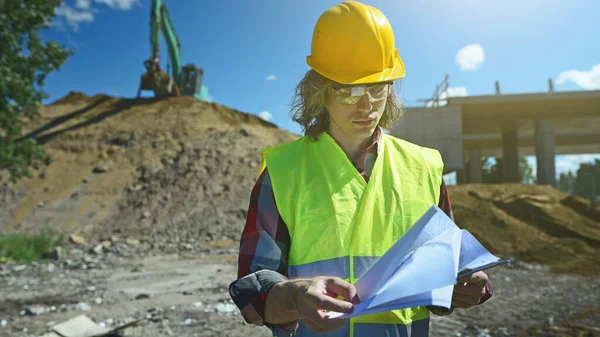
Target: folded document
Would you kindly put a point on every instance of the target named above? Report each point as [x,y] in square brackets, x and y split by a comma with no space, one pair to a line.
[421,268]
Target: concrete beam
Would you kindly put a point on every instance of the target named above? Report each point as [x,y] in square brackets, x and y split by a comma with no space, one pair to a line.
[530,151]
[545,151]
[510,152]
[528,139]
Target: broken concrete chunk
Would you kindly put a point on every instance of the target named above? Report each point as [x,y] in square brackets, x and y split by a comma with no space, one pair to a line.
[83,326]
[80,326]
[98,249]
[76,239]
[20,267]
[132,242]
[34,311]
[83,306]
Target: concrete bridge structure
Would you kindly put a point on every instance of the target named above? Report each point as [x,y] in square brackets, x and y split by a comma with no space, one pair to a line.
[509,127]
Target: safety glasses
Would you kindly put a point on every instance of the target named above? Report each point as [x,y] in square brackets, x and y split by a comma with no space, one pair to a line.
[353,93]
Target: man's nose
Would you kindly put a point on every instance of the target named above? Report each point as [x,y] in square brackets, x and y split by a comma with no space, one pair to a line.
[364,104]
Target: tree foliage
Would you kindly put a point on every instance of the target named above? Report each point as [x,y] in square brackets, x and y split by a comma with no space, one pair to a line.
[25,62]
[587,180]
[492,171]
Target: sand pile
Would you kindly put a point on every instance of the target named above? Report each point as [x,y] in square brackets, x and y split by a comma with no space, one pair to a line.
[179,170]
[534,223]
[140,165]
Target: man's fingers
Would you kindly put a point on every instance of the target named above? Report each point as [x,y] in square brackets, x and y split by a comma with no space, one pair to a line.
[478,277]
[468,298]
[340,287]
[323,301]
[460,304]
[470,288]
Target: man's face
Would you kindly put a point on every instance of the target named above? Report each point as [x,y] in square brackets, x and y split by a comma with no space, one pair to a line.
[355,111]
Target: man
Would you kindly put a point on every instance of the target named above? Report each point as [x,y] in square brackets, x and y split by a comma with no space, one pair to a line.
[327,205]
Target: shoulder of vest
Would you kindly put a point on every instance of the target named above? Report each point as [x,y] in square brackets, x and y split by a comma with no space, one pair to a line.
[409,145]
[287,148]
[431,155]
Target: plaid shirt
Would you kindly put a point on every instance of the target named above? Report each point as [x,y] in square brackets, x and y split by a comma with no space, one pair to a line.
[265,241]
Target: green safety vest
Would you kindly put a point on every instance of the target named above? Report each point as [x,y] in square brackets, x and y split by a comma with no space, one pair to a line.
[339,224]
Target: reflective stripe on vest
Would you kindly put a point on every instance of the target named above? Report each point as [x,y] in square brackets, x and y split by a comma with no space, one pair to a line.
[415,329]
[339,224]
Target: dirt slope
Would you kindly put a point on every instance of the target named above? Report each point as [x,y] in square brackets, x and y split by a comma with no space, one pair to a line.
[137,166]
[535,223]
[179,170]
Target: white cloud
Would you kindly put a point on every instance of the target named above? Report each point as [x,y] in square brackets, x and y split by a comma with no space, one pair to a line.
[271,77]
[73,16]
[124,5]
[83,4]
[587,79]
[455,92]
[84,11]
[265,115]
[470,57]
[450,92]
[209,98]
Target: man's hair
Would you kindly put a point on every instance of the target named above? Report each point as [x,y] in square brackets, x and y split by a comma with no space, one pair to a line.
[310,98]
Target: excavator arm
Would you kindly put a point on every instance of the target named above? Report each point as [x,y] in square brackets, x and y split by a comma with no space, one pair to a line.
[183,80]
[173,44]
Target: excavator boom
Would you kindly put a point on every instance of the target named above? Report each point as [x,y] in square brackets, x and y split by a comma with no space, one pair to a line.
[183,80]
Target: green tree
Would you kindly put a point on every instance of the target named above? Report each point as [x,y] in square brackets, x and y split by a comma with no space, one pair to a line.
[587,181]
[492,171]
[566,182]
[25,62]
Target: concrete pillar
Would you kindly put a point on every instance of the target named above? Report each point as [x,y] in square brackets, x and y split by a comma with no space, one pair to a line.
[475,170]
[510,152]
[461,177]
[545,151]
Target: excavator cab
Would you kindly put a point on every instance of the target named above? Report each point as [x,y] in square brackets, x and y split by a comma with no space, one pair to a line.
[191,80]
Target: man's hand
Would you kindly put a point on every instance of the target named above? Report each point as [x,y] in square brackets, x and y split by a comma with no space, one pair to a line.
[469,290]
[309,299]
[319,294]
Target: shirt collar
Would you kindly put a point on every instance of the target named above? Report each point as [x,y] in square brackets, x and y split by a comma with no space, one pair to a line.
[376,141]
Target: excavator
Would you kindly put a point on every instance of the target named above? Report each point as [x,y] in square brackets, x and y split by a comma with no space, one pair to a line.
[184,80]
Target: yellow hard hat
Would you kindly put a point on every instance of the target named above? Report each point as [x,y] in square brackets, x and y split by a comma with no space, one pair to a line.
[353,43]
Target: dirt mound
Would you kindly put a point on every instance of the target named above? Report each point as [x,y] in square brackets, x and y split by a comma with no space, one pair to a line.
[139,165]
[73,97]
[534,223]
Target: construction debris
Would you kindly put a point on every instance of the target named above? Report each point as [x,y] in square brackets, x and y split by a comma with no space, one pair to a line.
[83,326]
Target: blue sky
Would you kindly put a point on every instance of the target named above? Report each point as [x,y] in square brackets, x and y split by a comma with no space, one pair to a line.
[253,52]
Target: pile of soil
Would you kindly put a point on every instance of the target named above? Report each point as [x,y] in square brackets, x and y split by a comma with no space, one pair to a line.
[139,166]
[179,170]
[538,224]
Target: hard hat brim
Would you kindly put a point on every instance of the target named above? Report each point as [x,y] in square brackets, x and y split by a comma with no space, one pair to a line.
[389,74]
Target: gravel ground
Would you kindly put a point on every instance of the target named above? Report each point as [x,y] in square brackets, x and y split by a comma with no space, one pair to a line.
[186,295]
